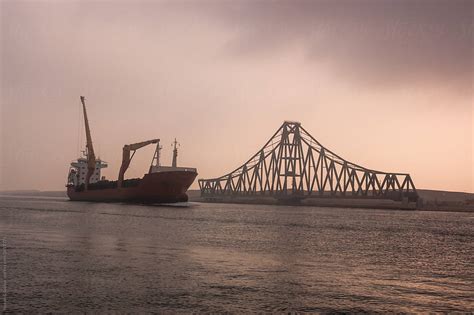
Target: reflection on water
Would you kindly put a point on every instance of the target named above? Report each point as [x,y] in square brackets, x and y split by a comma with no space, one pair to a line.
[66,257]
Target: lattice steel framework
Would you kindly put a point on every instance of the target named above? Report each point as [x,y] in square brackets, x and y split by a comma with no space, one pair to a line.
[293,163]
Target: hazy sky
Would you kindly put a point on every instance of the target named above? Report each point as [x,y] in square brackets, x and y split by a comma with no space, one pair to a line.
[385,84]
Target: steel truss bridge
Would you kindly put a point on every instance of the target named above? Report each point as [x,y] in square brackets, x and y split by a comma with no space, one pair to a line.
[294,164]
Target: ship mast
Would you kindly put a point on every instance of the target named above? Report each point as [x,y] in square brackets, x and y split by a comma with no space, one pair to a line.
[156,157]
[89,148]
[175,153]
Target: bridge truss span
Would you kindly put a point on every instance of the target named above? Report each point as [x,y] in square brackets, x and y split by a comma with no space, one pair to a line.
[294,163]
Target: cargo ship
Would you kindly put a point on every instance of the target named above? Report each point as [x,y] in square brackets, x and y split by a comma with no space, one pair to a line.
[162,184]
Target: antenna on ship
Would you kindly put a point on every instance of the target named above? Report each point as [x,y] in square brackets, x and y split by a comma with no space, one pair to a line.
[175,153]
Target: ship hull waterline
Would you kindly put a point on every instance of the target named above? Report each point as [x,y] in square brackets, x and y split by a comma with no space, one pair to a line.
[161,187]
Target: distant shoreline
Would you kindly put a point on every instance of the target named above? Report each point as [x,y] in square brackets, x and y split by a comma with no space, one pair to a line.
[34,193]
[433,200]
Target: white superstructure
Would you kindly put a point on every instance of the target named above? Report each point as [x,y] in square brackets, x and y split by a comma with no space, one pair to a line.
[77,174]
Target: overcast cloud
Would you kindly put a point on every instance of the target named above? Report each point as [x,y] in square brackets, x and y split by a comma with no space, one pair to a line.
[385,84]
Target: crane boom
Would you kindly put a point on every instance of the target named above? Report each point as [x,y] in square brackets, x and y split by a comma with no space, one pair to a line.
[89,147]
[126,158]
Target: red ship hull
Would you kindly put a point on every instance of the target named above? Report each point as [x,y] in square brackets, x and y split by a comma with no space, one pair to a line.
[160,187]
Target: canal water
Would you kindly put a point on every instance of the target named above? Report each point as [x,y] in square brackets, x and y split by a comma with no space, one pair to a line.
[63,256]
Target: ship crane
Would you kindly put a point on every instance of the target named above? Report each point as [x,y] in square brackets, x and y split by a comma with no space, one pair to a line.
[126,158]
[91,162]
